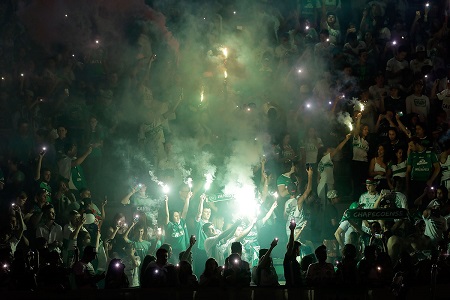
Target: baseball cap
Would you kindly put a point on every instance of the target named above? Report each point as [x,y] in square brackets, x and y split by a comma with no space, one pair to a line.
[420,48]
[371,181]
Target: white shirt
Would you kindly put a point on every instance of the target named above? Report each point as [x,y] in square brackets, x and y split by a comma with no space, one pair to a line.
[325,169]
[394,66]
[360,148]
[444,96]
[52,234]
[347,229]
[419,105]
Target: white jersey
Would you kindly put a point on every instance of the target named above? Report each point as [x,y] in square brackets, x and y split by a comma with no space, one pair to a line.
[360,148]
[368,200]
[445,168]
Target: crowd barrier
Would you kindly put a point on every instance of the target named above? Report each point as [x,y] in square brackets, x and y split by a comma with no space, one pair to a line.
[440,292]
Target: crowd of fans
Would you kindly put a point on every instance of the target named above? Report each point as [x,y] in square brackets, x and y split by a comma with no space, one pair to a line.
[370,128]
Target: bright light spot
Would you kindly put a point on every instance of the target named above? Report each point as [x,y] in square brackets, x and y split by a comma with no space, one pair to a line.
[275,195]
[225,52]
[307,27]
[427,5]
[156,271]
[204,18]
[426,76]
[165,188]
[299,70]
[209,180]
[117,265]
[136,216]
[43,148]
[3,78]
[246,204]
[328,40]
[379,268]
[394,43]
[329,102]
[403,37]
[225,74]
[308,105]
[21,74]
[65,15]
[350,126]
[96,41]
[248,109]
[234,12]
[73,55]
[189,182]
[236,261]
[256,139]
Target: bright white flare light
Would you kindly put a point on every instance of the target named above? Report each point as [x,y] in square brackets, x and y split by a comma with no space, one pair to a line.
[165,188]
[189,182]
[246,204]
[225,74]
[225,52]
[209,180]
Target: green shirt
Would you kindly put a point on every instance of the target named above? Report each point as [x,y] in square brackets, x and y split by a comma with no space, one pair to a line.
[421,164]
[45,186]
[201,236]
[142,248]
[177,235]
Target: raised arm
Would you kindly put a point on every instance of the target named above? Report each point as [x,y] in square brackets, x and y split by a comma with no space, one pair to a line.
[270,212]
[200,207]
[305,195]
[186,206]
[357,128]
[37,174]
[81,159]
[265,260]
[229,231]
[340,146]
[126,200]
[166,210]
[246,231]
[402,127]
[127,232]
[73,235]
[188,251]
[290,245]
